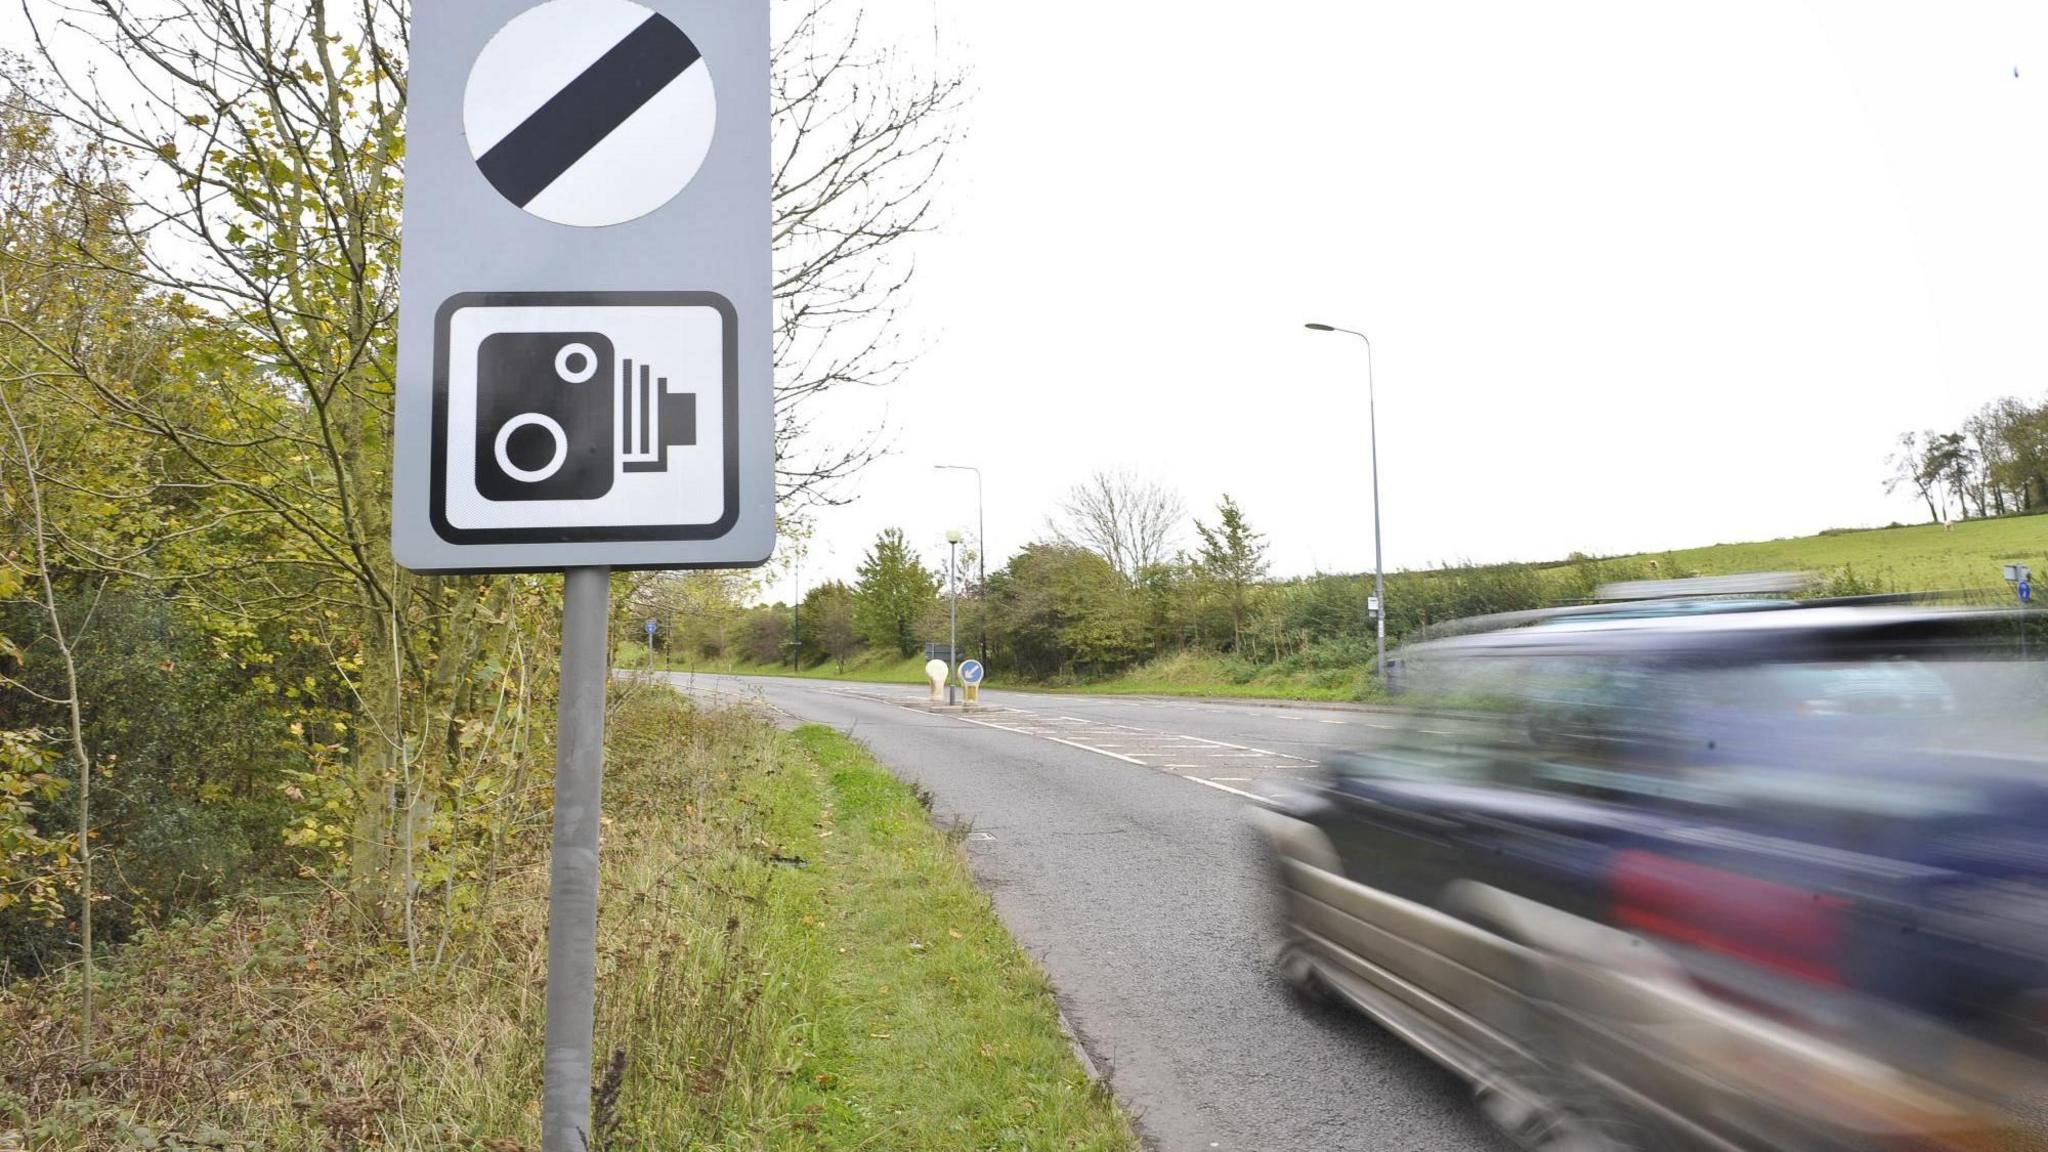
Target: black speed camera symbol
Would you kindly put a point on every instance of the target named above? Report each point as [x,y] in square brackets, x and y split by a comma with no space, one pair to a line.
[545,404]
[579,418]
[548,406]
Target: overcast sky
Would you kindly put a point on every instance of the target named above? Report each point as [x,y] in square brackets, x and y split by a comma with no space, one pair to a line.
[1639,275]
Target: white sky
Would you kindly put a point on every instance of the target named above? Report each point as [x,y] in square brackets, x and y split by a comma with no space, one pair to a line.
[1639,275]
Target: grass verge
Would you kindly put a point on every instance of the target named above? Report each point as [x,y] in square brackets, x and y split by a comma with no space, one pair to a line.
[791,956]
[1208,674]
[865,667]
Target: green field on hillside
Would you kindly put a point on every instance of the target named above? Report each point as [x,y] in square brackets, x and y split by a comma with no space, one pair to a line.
[1917,558]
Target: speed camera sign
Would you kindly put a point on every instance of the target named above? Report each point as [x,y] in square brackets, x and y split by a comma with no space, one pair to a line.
[584,312]
[577,416]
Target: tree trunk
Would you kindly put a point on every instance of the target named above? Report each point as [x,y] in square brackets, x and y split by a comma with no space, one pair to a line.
[379,735]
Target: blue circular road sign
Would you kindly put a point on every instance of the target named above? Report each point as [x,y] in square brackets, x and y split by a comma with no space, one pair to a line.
[2026,591]
[970,672]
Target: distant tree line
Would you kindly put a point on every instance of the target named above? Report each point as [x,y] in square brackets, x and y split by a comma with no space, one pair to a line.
[1995,464]
[1121,576]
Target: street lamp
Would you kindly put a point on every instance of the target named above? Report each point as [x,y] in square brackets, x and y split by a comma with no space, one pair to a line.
[953,622]
[980,547]
[1379,574]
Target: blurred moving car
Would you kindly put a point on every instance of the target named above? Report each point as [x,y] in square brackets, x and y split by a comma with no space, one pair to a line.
[1735,874]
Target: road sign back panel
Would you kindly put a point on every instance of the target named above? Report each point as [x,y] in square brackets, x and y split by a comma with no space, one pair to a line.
[584,357]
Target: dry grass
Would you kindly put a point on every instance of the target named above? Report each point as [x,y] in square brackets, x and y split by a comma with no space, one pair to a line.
[791,956]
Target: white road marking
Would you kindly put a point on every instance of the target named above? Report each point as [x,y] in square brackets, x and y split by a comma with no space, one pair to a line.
[1249,748]
[1251,796]
[1157,745]
[1098,751]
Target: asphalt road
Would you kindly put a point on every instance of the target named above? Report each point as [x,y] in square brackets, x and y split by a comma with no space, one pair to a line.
[1114,836]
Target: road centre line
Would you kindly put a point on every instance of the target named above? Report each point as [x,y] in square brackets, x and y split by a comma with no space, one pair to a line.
[1251,796]
[1058,740]
[1249,748]
[1097,751]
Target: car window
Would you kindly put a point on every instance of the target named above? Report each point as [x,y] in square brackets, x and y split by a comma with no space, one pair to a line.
[1436,746]
[1864,738]
[1874,735]
[1465,717]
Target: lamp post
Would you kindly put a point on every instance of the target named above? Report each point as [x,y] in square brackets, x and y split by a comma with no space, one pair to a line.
[953,621]
[980,547]
[1379,573]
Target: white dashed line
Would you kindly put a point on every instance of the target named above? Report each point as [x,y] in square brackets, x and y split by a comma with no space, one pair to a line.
[1153,747]
[1251,796]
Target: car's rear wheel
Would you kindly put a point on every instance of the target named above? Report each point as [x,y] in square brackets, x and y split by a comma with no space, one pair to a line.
[1298,970]
[1555,1117]
[1538,1097]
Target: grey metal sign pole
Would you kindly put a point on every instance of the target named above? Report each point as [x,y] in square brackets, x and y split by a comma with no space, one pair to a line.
[572,871]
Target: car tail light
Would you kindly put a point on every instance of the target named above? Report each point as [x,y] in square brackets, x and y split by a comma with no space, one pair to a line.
[1776,926]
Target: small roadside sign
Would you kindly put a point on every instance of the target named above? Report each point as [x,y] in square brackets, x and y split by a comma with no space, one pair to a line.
[650,629]
[2026,591]
[970,671]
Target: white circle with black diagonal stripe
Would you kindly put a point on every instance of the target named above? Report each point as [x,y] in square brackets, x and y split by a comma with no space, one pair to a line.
[589,112]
